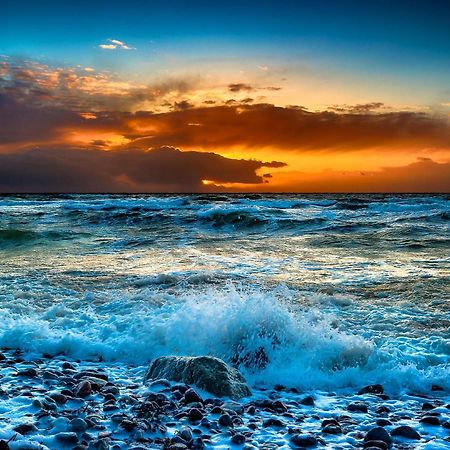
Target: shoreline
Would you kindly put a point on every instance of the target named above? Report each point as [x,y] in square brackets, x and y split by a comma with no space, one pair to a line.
[60,403]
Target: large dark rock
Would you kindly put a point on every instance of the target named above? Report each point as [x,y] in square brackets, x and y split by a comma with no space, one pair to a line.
[206,372]
[378,434]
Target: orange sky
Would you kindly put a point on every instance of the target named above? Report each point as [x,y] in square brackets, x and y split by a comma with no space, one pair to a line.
[244,136]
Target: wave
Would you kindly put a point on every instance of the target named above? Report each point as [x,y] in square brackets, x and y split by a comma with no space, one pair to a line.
[236,216]
[11,238]
[265,332]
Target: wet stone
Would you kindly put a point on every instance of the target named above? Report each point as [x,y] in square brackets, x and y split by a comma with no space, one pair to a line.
[25,428]
[78,425]
[382,409]
[332,429]
[238,439]
[378,434]
[273,422]
[83,389]
[67,437]
[304,440]
[29,372]
[383,422]
[381,445]
[61,399]
[427,406]
[406,432]
[191,396]
[358,407]
[225,420]
[372,389]
[430,420]
[195,415]
[307,401]
[327,422]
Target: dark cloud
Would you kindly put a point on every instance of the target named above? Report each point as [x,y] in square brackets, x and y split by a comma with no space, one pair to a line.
[357,109]
[296,129]
[234,124]
[183,105]
[244,87]
[239,87]
[132,170]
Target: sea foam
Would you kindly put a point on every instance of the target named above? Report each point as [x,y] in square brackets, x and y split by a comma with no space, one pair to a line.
[303,347]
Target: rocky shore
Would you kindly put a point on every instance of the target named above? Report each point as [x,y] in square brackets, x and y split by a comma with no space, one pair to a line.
[56,403]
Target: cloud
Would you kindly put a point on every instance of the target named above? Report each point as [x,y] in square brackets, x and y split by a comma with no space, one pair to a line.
[115,44]
[239,87]
[292,129]
[93,170]
[78,89]
[183,105]
[243,87]
[359,108]
[35,118]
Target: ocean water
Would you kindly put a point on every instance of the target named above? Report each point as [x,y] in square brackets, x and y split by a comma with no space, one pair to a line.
[326,292]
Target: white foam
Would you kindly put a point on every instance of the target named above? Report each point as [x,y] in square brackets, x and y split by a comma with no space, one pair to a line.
[305,347]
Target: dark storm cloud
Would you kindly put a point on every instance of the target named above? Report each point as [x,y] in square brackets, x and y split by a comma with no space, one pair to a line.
[93,170]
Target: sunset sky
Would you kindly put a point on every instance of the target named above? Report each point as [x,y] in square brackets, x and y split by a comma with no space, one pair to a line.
[177,96]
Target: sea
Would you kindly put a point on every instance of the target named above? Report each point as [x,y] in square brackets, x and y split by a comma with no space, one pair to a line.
[318,292]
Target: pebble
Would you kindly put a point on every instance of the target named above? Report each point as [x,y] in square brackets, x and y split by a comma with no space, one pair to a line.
[25,428]
[383,422]
[307,401]
[372,389]
[61,399]
[225,420]
[29,372]
[273,422]
[67,437]
[78,425]
[378,434]
[195,415]
[83,389]
[332,429]
[191,396]
[406,432]
[358,407]
[238,439]
[380,445]
[430,420]
[304,440]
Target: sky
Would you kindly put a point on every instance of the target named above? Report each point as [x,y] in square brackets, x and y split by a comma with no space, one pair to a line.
[257,96]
